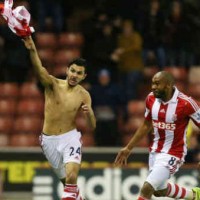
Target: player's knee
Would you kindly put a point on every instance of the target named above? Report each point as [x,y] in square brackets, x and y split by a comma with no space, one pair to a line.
[147,189]
[71,178]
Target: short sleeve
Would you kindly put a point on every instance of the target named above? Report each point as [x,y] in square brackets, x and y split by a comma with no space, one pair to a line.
[147,114]
[193,111]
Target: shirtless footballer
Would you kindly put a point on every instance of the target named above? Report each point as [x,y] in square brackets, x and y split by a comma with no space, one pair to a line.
[60,141]
[168,112]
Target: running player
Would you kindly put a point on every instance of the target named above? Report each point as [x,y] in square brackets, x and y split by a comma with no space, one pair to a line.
[60,140]
[168,112]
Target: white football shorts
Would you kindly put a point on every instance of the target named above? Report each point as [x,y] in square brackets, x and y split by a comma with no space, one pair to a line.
[161,167]
[62,149]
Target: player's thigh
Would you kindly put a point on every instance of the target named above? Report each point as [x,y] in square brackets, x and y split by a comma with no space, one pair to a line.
[49,148]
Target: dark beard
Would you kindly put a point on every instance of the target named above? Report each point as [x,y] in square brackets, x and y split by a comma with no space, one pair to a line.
[160,95]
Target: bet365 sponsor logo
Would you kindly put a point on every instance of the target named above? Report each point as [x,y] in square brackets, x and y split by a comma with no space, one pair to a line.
[164,126]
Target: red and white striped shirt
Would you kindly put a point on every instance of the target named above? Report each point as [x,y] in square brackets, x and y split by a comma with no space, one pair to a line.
[170,120]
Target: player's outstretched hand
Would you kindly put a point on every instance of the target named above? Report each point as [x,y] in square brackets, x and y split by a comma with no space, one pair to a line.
[122,157]
[28,42]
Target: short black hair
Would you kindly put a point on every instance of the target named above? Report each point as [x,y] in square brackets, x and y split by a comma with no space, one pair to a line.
[79,62]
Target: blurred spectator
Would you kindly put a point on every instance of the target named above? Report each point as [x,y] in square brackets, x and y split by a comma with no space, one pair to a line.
[117,24]
[50,15]
[128,55]
[152,29]
[100,19]
[92,27]
[16,63]
[192,15]
[177,37]
[2,54]
[103,46]
[107,99]
[92,31]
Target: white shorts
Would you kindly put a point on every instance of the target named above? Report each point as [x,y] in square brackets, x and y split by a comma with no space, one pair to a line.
[62,149]
[161,167]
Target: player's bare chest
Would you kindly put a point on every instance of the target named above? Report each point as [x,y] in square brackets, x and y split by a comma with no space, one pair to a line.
[64,100]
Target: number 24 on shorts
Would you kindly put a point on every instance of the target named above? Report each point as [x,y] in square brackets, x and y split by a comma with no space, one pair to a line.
[75,151]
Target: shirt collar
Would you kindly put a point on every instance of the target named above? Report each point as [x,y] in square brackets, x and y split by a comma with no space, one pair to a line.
[174,97]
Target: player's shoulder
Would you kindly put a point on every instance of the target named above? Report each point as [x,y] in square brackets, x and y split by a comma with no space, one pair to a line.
[187,100]
[82,90]
[150,96]
[184,97]
[58,80]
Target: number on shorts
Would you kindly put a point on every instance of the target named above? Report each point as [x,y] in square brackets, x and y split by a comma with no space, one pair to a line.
[172,161]
[78,151]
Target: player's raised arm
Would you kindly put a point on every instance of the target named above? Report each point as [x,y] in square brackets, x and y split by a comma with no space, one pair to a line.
[41,72]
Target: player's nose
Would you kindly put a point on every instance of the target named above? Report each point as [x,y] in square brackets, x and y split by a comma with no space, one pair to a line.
[153,87]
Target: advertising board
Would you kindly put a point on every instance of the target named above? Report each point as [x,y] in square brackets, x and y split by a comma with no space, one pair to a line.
[105,184]
[27,170]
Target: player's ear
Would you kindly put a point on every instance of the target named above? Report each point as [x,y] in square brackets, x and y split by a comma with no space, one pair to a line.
[85,75]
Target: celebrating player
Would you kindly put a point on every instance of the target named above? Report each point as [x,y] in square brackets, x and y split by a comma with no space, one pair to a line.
[60,141]
[168,112]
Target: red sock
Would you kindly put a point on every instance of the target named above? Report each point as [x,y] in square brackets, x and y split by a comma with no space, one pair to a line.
[79,196]
[70,192]
[177,192]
